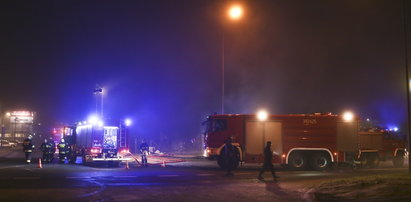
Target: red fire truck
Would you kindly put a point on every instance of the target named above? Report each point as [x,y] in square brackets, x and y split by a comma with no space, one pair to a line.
[381,145]
[299,141]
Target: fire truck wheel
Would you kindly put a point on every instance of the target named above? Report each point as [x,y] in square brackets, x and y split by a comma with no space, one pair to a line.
[363,160]
[320,161]
[398,161]
[297,161]
[373,160]
[220,162]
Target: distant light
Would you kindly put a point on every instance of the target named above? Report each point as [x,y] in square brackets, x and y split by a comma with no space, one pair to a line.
[348,116]
[128,122]
[79,123]
[262,115]
[93,119]
[235,12]
[84,122]
[368,120]
[8,114]
[111,127]
[395,129]
[100,123]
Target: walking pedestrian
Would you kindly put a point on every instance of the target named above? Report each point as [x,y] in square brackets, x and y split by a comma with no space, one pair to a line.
[28,148]
[144,152]
[268,164]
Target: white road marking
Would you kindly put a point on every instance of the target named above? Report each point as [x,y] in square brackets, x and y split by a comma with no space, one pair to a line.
[6,167]
[127,176]
[169,175]
[26,178]
[205,174]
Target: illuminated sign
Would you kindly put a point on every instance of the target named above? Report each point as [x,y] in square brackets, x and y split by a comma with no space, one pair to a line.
[21,113]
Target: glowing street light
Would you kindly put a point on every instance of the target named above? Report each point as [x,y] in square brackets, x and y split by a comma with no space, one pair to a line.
[128,122]
[262,115]
[93,119]
[348,116]
[235,12]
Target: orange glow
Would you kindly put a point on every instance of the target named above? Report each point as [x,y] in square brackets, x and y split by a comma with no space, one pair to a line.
[235,12]
[283,155]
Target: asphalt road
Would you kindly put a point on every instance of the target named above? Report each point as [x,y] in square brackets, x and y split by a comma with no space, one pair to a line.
[194,179]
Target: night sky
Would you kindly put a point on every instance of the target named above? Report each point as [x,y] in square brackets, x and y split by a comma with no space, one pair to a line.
[160,61]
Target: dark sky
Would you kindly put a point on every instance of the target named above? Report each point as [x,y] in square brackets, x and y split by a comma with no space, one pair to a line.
[160,61]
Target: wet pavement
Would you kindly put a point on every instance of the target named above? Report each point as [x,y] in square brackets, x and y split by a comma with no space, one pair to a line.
[193,178]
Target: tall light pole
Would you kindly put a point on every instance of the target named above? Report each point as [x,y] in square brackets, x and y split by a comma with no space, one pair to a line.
[234,13]
[98,91]
[404,13]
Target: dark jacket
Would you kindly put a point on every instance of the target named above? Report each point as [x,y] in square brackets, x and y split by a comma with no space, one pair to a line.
[28,145]
[52,146]
[268,155]
[63,148]
[46,147]
[144,147]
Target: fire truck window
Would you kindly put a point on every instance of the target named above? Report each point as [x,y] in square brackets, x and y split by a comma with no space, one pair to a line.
[219,125]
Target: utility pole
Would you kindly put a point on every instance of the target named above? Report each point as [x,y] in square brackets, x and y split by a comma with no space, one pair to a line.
[407,79]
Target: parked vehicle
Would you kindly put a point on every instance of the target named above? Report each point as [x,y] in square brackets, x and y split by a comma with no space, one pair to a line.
[98,143]
[7,144]
[299,141]
[381,145]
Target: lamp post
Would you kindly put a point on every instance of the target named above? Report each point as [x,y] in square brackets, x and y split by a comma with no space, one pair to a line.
[98,91]
[234,13]
[407,79]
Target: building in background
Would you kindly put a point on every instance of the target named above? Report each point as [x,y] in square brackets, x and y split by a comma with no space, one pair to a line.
[17,125]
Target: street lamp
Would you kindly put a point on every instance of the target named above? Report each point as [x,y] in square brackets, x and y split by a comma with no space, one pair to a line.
[348,116]
[127,122]
[262,115]
[407,77]
[234,12]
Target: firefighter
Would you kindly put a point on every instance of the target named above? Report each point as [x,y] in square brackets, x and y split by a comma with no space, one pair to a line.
[71,156]
[45,147]
[229,157]
[28,148]
[144,152]
[52,149]
[268,164]
[63,151]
